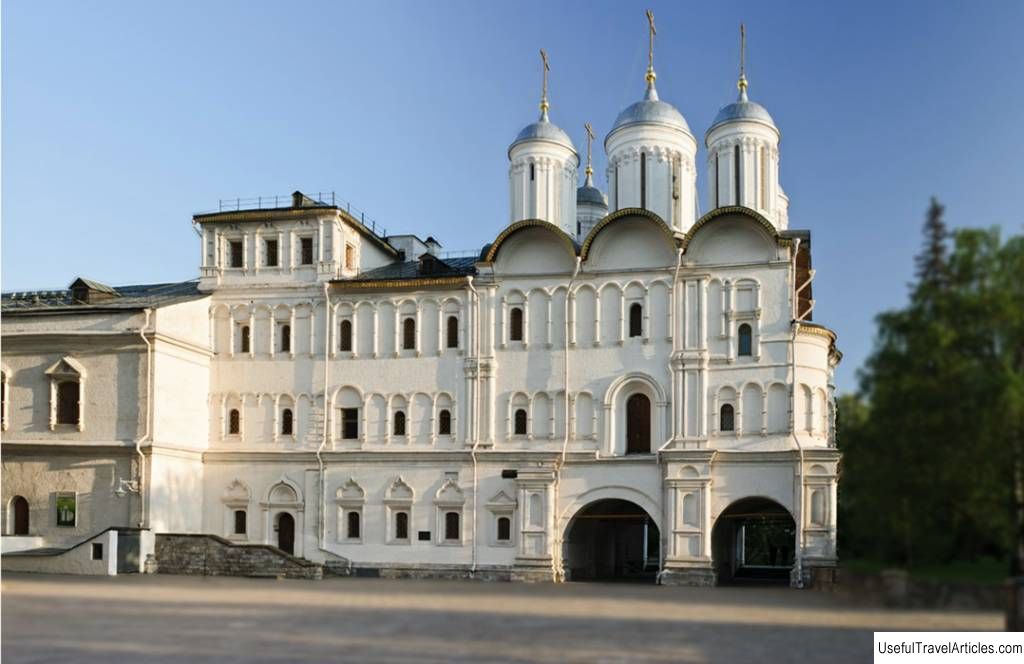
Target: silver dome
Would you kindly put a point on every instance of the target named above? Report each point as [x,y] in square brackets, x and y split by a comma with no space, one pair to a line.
[590,195]
[743,109]
[651,110]
[543,130]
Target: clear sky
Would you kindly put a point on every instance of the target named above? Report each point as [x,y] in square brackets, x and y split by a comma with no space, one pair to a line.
[122,119]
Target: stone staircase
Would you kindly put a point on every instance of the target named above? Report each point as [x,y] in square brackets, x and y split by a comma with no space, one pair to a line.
[210,555]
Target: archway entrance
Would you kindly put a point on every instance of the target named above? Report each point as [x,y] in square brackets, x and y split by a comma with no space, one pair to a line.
[286,533]
[19,515]
[753,542]
[638,425]
[612,539]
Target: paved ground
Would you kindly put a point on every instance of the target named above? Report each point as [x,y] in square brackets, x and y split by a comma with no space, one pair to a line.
[177,618]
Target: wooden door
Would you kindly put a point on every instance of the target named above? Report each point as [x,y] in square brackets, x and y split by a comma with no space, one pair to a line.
[638,425]
[20,506]
[286,533]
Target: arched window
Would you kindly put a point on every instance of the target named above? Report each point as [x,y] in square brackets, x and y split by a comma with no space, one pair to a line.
[244,341]
[515,324]
[638,425]
[452,531]
[67,402]
[399,425]
[409,334]
[401,525]
[444,423]
[19,515]
[286,338]
[234,422]
[452,340]
[745,340]
[504,529]
[287,422]
[352,525]
[727,418]
[643,180]
[345,338]
[240,522]
[636,320]
[520,422]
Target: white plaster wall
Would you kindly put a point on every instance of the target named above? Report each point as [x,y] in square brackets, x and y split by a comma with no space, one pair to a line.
[77,560]
[174,492]
[93,475]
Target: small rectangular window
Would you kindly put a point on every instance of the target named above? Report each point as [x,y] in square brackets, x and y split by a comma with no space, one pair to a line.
[237,253]
[240,522]
[306,257]
[350,256]
[97,550]
[349,423]
[423,536]
[67,510]
[271,246]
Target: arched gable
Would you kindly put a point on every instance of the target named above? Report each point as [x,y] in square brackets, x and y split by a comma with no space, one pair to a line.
[550,248]
[626,213]
[732,234]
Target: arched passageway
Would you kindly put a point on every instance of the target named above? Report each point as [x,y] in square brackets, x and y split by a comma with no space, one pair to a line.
[753,542]
[612,539]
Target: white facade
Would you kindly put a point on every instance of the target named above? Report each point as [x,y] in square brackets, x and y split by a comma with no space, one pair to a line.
[406,412]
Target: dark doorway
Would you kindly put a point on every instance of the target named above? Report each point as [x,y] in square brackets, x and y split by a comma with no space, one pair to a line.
[753,542]
[612,540]
[19,506]
[286,533]
[638,425]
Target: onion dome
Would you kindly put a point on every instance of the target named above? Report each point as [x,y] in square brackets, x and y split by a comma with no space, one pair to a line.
[543,130]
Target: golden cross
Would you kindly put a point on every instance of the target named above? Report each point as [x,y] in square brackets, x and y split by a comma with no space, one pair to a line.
[653,31]
[590,141]
[742,83]
[544,90]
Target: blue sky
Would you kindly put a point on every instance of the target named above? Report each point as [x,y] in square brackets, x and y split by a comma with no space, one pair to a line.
[122,119]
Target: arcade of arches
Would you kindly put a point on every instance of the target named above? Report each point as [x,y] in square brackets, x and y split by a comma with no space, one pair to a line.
[614,539]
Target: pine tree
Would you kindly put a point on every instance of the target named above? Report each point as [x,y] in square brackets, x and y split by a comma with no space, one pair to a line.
[932,267]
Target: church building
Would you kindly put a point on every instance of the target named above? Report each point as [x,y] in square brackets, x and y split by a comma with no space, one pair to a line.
[616,386]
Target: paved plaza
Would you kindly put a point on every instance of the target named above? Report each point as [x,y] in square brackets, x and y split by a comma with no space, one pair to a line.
[177,618]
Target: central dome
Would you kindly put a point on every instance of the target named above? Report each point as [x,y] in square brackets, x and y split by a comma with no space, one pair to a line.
[651,110]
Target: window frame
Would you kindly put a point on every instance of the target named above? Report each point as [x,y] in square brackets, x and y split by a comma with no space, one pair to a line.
[345,336]
[516,421]
[399,424]
[233,244]
[748,338]
[267,254]
[444,422]
[302,244]
[349,416]
[516,318]
[636,320]
[732,417]
[285,338]
[451,341]
[287,422]
[244,532]
[409,333]
[234,422]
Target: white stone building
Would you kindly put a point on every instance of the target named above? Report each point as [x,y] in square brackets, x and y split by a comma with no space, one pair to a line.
[615,386]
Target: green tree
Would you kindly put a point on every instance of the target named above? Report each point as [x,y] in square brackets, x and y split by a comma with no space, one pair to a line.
[933,450]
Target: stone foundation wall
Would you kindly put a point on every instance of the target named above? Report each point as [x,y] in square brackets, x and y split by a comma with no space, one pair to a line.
[209,555]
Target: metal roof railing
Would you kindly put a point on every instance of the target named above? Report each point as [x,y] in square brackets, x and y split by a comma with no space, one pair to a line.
[320,198]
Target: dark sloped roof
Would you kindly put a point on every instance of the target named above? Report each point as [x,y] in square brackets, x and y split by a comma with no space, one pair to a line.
[142,296]
[420,269]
